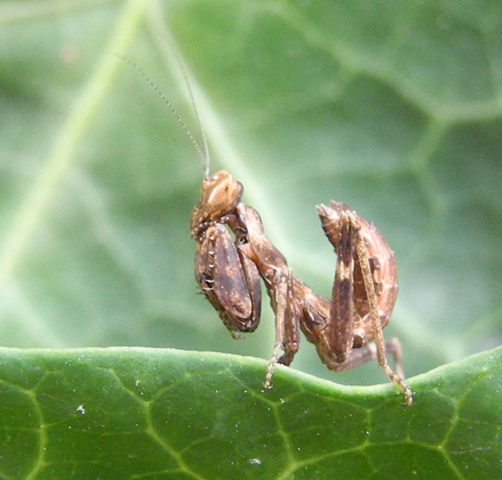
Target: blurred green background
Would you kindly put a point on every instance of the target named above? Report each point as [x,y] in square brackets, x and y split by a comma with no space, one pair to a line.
[392,107]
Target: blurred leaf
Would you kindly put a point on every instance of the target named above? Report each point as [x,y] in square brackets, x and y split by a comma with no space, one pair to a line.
[388,106]
[143,413]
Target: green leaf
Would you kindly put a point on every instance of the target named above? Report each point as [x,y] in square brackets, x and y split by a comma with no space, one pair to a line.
[391,107]
[154,413]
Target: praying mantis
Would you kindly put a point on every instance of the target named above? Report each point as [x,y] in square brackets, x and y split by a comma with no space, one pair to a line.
[234,256]
[228,270]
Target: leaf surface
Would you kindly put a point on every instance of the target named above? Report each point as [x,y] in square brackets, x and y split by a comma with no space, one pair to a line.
[154,413]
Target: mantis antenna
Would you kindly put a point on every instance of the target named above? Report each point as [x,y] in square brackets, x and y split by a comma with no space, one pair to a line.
[203,154]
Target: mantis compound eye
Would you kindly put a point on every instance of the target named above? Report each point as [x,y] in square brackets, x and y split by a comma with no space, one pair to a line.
[221,194]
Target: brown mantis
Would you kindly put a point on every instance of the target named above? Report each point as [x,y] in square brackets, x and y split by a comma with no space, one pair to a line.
[228,270]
